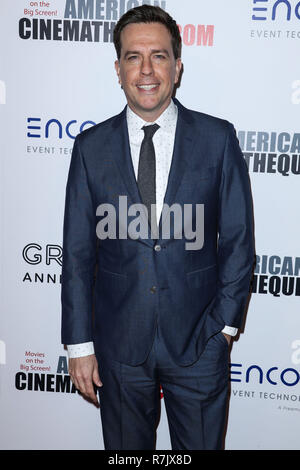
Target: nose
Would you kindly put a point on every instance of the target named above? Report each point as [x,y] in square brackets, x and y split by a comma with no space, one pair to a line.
[146,66]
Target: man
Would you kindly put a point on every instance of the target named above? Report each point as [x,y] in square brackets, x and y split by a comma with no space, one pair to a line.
[163,310]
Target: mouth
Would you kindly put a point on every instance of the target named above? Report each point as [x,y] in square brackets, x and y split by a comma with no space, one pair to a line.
[149,87]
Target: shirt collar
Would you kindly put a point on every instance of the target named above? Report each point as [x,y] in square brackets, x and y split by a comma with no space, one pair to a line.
[167,120]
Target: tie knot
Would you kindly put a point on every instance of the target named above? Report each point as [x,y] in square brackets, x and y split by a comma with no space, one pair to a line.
[150,130]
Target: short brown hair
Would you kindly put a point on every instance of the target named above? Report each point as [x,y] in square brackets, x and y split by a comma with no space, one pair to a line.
[148,14]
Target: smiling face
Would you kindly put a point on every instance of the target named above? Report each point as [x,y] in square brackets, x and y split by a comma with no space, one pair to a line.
[147,68]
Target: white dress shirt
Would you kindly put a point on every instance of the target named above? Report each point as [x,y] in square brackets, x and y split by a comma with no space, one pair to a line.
[163,141]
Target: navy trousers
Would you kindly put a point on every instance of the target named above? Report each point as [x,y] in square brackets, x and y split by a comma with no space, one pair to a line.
[195,399]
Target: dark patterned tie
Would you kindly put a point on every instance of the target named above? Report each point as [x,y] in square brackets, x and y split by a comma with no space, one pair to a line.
[146,170]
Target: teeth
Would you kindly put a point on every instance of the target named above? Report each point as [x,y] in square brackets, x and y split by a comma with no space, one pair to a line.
[147,87]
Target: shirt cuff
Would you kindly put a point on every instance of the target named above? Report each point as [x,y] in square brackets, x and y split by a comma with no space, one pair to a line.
[230,330]
[81,349]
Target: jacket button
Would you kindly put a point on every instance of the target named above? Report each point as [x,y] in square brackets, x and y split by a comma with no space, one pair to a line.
[153,289]
[157,247]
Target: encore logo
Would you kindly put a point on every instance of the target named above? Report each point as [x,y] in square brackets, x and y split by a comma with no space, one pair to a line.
[254,373]
[270,9]
[37,129]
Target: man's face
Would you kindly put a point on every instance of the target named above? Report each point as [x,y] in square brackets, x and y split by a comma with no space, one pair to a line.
[147,69]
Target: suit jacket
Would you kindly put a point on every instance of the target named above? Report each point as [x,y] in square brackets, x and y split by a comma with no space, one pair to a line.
[131,284]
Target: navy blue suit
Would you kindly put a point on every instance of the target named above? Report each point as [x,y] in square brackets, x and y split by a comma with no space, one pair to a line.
[134,288]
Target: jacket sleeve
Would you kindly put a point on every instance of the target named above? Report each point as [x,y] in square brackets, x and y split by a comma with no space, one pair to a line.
[235,235]
[79,253]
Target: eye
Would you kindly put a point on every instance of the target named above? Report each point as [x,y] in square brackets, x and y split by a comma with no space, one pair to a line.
[159,56]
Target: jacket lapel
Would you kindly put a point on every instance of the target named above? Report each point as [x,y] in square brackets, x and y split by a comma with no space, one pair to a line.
[183,146]
[120,149]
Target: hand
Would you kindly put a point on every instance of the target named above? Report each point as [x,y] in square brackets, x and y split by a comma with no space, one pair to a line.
[84,374]
[228,337]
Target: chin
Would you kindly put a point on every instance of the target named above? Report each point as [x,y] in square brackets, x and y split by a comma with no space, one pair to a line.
[149,103]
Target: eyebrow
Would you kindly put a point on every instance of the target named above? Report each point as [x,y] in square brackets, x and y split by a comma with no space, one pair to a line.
[154,51]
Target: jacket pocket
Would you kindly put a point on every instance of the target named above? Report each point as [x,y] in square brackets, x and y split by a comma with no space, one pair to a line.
[202,276]
[111,283]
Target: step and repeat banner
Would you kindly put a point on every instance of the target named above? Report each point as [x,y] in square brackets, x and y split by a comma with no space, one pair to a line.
[57,78]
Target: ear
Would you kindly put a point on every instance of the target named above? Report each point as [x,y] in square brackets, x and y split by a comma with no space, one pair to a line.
[117,68]
[178,66]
